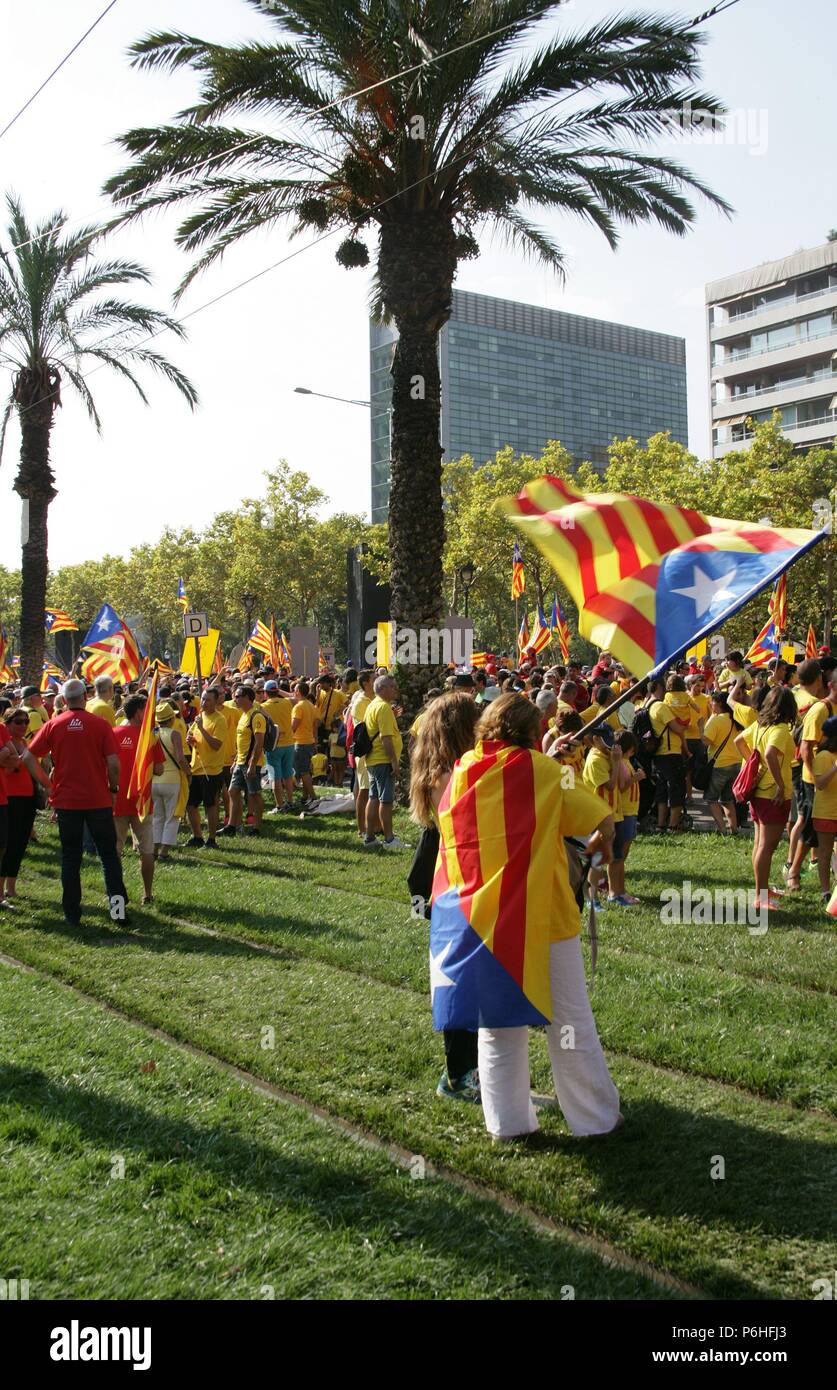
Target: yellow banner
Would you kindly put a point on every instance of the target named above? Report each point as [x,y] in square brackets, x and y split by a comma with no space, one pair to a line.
[385,644]
[789,655]
[208,646]
[698,652]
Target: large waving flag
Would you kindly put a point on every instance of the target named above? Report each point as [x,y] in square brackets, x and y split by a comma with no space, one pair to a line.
[499,825]
[811,642]
[275,654]
[52,676]
[56,621]
[6,672]
[181,596]
[259,638]
[113,649]
[518,585]
[765,647]
[523,636]
[541,635]
[778,607]
[284,649]
[650,579]
[558,624]
[139,785]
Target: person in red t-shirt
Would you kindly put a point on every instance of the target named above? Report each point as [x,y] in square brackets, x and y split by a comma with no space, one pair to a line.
[17,798]
[85,781]
[125,807]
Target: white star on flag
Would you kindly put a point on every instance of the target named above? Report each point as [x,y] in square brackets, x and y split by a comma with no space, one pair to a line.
[438,979]
[105,625]
[706,591]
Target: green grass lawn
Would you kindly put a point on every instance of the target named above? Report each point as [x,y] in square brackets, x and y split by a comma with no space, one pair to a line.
[721,1043]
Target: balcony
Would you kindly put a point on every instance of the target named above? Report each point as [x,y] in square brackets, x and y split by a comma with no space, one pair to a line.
[808,432]
[804,388]
[752,360]
[771,315]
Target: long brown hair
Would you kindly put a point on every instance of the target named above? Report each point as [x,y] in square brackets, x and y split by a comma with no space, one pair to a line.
[512,719]
[446,732]
[779,707]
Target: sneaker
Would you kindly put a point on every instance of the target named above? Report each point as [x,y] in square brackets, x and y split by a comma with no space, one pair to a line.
[287,808]
[395,843]
[622,900]
[467,1088]
[196,842]
[210,844]
[228,830]
[368,843]
[252,830]
[13,907]
[311,804]
[276,811]
[72,919]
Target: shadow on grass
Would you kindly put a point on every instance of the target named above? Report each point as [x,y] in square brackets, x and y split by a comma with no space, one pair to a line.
[475,1234]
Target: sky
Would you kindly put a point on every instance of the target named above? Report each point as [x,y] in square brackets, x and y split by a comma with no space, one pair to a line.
[304,323]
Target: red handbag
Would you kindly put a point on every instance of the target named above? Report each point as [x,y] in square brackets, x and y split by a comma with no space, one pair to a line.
[744,786]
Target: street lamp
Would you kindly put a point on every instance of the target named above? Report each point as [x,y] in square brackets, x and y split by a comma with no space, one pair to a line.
[306,391]
[249,604]
[467,575]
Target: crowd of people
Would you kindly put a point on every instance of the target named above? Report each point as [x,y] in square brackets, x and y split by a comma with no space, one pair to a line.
[618,760]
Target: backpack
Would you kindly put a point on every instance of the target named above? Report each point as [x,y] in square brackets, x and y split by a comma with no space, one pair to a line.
[271,732]
[643,730]
[361,743]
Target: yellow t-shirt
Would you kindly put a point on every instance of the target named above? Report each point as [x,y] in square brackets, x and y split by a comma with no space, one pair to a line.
[330,704]
[574,758]
[727,677]
[249,725]
[715,730]
[812,728]
[280,711]
[206,761]
[303,720]
[680,702]
[776,736]
[629,796]
[592,712]
[381,722]
[597,770]
[37,719]
[351,689]
[745,715]
[661,716]
[319,762]
[698,711]
[103,708]
[416,724]
[825,801]
[232,714]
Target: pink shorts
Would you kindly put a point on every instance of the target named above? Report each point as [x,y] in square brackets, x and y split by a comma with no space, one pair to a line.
[767,812]
[827,827]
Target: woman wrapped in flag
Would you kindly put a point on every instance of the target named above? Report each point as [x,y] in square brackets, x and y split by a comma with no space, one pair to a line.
[505,926]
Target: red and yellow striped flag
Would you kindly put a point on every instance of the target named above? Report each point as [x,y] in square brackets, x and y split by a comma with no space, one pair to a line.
[518,584]
[778,606]
[275,653]
[811,642]
[139,785]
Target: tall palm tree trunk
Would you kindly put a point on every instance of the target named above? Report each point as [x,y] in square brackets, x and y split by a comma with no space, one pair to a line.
[36,399]
[416,266]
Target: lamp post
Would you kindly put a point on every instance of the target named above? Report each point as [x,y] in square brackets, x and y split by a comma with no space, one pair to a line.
[306,391]
[249,604]
[467,575]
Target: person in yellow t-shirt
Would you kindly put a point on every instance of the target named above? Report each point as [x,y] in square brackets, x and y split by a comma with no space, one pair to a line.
[358,706]
[383,761]
[719,734]
[206,738]
[669,763]
[319,767]
[814,706]
[33,705]
[602,698]
[304,723]
[280,758]
[331,701]
[601,776]
[249,761]
[824,768]
[567,721]
[771,737]
[733,672]
[102,702]
[627,791]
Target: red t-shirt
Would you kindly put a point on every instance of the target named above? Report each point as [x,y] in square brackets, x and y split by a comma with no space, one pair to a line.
[127,737]
[18,783]
[78,744]
[5,737]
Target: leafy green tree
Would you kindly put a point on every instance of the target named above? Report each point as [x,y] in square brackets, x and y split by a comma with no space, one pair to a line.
[475,134]
[52,326]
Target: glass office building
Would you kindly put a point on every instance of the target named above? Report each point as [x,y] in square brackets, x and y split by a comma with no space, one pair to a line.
[517,374]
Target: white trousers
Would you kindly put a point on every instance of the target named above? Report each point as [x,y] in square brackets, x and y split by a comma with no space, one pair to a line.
[166,823]
[585,1092]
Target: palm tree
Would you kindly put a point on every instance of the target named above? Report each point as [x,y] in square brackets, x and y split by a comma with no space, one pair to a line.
[472,139]
[49,330]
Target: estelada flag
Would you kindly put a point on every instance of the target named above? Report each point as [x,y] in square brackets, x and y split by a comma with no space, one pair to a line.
[56,621]
[558,624]
[518,584]
[765,647]
[139,784]
[541,635]
[114,649]
[523,636]
[275,654]
[778,606]
[811,642]
[284,649]
[6,672]
[500,848]
[650,579]
[259,638]
[181,596]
